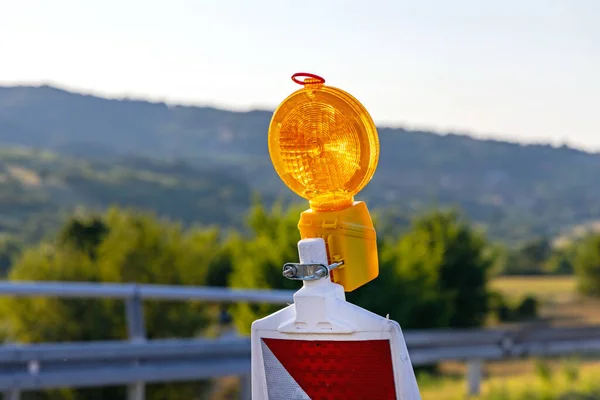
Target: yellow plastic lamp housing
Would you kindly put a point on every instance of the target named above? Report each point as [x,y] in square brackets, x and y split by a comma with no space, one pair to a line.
[324,146]
[350,237]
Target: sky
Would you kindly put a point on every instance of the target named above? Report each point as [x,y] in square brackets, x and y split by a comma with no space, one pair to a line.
[518,70]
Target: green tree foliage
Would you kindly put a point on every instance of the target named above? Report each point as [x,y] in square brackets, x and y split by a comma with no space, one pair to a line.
[513,311]
[587,265]
[258,259]
[10,249]
[530,258]
[83,234]
[434,275]
[561,260]
[537,256]
[119,246]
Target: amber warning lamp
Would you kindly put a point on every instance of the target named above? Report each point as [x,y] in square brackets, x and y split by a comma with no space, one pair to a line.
[324,146]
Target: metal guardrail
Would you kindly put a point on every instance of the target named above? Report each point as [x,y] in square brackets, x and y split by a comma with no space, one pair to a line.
[133,371]
[474,347]
[137,361]
[46,366]
[432,346]
[157,292]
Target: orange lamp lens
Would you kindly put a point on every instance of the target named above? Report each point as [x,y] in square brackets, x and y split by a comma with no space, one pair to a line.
[323,144]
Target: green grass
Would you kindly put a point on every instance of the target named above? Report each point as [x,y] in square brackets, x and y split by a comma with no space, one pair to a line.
[560,304]
[562,378]
[524,379]
[542,287]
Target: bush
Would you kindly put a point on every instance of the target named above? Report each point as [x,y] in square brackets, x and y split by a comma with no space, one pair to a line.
[587,265]
[526,309]
[116,247]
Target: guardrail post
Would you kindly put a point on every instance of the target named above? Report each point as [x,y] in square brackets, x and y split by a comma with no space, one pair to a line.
[136,391]
[134,312]
[474,373]
[12,395]
[136,327]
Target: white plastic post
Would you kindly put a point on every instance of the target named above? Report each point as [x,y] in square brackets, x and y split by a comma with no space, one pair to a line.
[320,312]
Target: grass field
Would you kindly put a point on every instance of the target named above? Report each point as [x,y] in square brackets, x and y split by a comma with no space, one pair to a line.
[543,287]
[564,377]
[559,306]
[559,303]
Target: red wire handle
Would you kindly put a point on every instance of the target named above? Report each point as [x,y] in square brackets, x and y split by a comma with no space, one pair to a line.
[306,75]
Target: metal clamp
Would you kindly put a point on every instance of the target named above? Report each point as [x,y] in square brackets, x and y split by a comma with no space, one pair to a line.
[308,272]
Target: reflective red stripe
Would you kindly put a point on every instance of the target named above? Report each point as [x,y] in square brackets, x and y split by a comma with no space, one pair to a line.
[328,369]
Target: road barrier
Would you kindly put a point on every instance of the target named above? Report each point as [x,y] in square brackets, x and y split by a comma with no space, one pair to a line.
[138,361]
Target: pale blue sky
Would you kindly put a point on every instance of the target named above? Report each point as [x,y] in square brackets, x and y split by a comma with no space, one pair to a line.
[526,70]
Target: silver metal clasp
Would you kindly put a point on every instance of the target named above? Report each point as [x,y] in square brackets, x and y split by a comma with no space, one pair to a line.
[308,272]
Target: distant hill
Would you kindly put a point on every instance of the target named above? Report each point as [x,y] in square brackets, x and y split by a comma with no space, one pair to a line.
[38,189]
[516,190]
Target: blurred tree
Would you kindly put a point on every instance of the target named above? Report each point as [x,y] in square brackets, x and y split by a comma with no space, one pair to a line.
[220,265]
[257,260]
[561,260]
[433,276]
[499,253]
[530,258]
[139,248]
[537,251]
[83,233]
[10,249]
[587,265]
[119,246]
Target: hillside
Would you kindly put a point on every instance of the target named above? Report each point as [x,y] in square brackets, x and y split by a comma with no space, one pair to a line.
[39,188]
[516,190]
